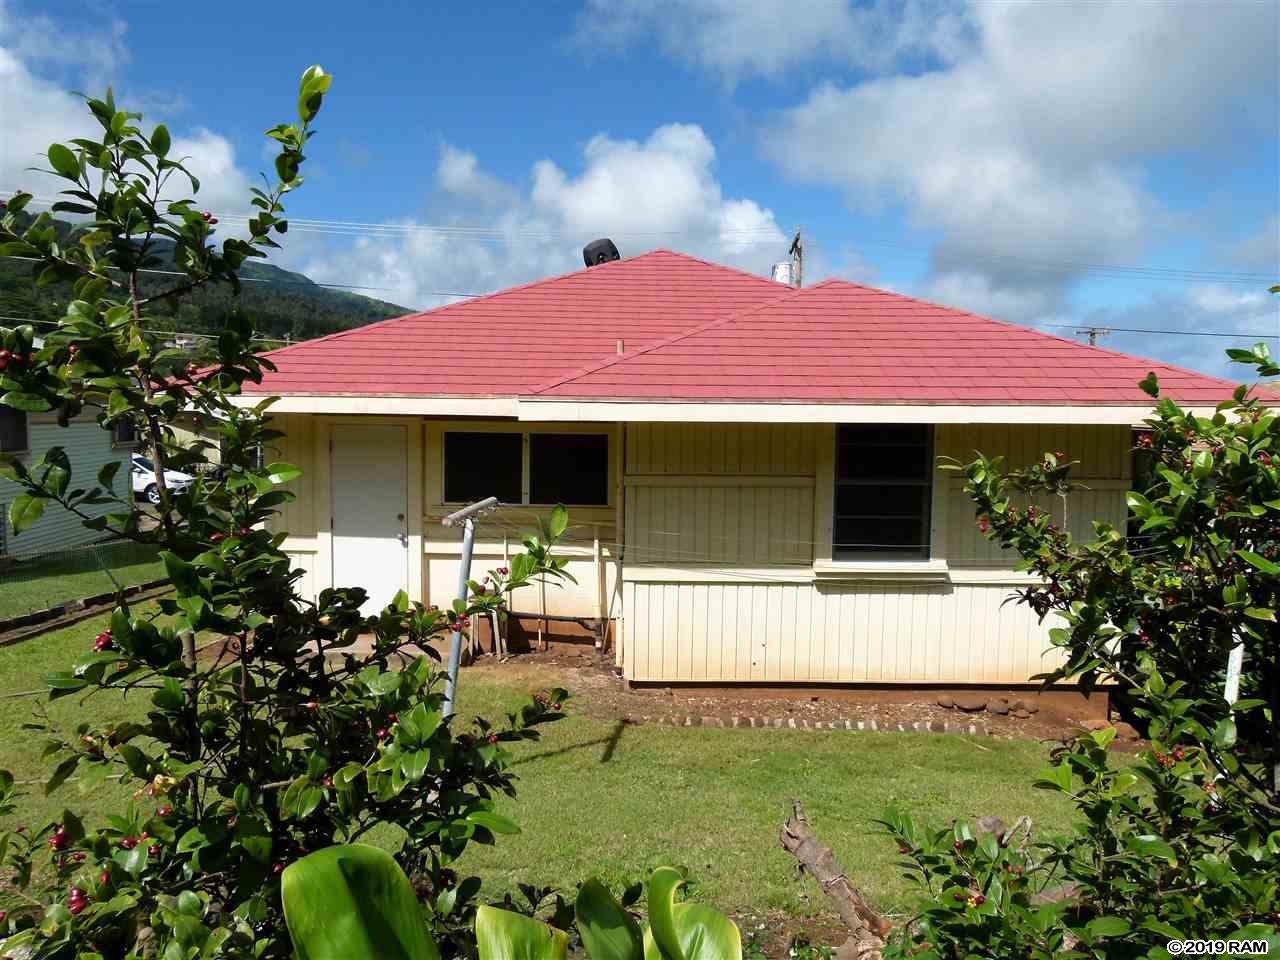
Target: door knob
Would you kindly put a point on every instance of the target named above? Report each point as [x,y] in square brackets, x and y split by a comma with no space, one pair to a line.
[400,516]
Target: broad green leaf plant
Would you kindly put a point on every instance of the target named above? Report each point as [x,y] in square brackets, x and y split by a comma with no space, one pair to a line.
[341,903]
[1183,841]
[267,735]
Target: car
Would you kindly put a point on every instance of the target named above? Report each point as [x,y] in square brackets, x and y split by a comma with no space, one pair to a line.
[144,480]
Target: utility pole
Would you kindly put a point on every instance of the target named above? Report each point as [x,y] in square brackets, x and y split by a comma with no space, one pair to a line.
[466,517]
[1094,333]
[797,260]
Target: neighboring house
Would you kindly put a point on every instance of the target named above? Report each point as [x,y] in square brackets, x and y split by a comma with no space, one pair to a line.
[88,446]
[750,469]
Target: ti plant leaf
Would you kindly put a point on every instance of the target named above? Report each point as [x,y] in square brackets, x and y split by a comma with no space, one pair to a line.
[503,935]
[353,901]
[686,931]
[608,931]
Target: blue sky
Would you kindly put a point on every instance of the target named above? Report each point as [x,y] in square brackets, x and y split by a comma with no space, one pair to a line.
[1057,164]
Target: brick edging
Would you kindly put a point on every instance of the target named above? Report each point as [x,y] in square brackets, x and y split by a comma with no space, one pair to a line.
[792,723]
[72,611]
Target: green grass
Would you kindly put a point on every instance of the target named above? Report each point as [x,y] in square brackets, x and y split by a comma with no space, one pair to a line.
[38,585]
[596,797]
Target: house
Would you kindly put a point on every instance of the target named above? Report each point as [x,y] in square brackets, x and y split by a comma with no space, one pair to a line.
[750,469]
[89,447]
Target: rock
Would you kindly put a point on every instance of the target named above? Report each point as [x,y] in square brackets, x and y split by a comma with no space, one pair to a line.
[998,705]
[946,700]
[1020,714]
[1126,731]
[1095,724]
[1028,704]
[971,702]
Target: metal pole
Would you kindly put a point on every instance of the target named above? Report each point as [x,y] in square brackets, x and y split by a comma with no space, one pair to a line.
[455,643]
[466,516]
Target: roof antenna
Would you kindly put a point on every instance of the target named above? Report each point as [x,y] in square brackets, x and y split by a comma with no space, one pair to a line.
[797,260]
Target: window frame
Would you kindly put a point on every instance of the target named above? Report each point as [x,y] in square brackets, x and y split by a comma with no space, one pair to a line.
[25,419]
[914,555]
[526,463]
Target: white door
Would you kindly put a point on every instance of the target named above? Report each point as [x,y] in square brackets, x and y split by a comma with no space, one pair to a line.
[370,502]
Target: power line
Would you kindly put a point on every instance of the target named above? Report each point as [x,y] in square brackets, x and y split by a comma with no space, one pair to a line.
[1095,332]
[763,234]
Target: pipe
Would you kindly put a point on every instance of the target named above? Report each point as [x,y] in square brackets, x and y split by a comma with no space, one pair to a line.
[464,574]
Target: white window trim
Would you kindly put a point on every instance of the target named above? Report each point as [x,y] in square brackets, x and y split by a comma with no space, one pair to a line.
[896,571]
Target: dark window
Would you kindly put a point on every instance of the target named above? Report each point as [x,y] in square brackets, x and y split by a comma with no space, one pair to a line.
[569,468]
[13,430]
[123,433]
[883,482]
[482,465]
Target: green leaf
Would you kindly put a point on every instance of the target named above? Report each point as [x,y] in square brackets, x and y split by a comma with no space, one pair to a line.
[283,472]
[1057,777]
[24,511]
[1148,845]
[1107,927]
[107,474]
[1150,385]
[61,773]
[1262,563]
[503,935]
[1261,613]
[492,822]
[30,402]
[181,573]
[559,521]
[1224,734]
[64,162]
[608,931]
[352,901]
[160,141]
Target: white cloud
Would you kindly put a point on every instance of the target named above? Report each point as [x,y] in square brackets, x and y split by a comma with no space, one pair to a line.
[1260,250]
[737,37]
[661,191]
[1027,155]
[38,60]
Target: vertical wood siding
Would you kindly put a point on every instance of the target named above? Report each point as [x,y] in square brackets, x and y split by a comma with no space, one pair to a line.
[297,446]
[774,632]
[758,522]
[741,449]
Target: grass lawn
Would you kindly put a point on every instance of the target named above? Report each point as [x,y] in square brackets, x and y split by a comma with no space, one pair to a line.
[597,797]
[38,585]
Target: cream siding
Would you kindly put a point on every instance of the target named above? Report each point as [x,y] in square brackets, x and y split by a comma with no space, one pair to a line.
[734,598]
[724,526]
[435,550]
[89,448]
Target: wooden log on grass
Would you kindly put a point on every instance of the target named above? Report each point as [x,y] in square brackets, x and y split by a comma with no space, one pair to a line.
[867,928]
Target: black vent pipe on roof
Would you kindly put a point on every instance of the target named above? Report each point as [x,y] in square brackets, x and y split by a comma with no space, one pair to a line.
[600,251]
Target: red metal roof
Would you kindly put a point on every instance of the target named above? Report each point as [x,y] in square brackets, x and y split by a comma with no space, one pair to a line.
[698,331]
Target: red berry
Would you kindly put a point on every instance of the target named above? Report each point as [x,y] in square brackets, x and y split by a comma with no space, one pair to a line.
[128,843]
[154,850]
[164,811]
[104,878]
[904,849]
[382,733]
[957,844]
[243,531]
[3,916]
[392,719]
[311,705]
[277,868]
[59,839]
[217,537]
[980,899]
[79,856]
[493,738]
[231,820]
[327,782]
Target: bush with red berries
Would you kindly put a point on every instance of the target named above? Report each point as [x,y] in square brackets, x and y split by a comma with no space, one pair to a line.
[1184,841]
[267,736]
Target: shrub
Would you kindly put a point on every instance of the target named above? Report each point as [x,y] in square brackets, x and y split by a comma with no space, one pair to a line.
[267,736]
[1183,842]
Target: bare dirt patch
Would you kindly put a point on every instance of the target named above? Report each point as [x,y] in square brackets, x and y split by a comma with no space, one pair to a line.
[600,692]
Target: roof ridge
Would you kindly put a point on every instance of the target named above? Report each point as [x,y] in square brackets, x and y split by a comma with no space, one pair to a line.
[667,341]
[1033,330]
[339,334]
